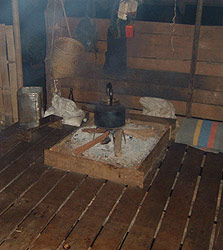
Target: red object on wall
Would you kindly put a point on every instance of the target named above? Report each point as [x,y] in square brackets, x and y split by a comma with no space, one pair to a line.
[129,30]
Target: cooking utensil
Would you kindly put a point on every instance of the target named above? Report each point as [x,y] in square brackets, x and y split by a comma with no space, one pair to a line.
[109,113]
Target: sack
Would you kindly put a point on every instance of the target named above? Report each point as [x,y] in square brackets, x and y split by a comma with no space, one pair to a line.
[157,107]
[67,109]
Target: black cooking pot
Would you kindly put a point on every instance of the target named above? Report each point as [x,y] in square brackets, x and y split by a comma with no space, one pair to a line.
[107,116]
[109,113]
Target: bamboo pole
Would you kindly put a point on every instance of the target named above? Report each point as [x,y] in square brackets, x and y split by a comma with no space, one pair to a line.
[18,49]
[53,15]
[65,16]
[194,57]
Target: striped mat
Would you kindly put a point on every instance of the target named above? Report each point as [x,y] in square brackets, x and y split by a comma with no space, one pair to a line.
[203,134]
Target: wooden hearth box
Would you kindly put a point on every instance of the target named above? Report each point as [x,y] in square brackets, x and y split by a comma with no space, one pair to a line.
[59,156]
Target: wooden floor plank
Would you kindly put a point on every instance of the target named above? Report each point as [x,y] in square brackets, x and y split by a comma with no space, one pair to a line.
[15,170]
[202,218]
[33,153]
[16,214]
[13,191]
[60,226]
[41,210]
[8,143]
[81,237]
[173,224]
[37,139]
[144,228]
[114,230]
[36,221]
[9,130]
[13,154]
[22,147]
[218,242]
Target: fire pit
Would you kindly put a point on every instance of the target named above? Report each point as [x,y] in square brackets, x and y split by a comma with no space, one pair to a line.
[109,119]
[125,151]
[145,144]
[115,148]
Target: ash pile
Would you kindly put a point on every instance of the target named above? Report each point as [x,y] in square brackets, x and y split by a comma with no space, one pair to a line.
[135,143]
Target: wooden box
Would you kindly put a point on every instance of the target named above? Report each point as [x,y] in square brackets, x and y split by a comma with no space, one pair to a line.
[59,156]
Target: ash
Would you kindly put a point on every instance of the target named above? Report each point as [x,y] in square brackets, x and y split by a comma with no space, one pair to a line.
[134,151]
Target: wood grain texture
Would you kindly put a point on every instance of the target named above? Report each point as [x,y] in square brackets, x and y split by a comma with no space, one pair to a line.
[152,44]
[23,206]
[133,88]
[218,241]
[14,155]
[22,156]
[2,109]
[152,119]
[79,200]
[18,47]
[209,68]
[206,111]
[117,225]
[46,209]
[156,152]
[203,213]
[171,231]
[143,230]
[152,49]
[205,101]
[118,142]
[83,148]
[9,130]
[155,77]
[6,92]
[21,184]
[6,144]
[42,214]
[12,70]
[64,158]
[53,14]
[159,47]
[81,237]
[92,168]
[152,28]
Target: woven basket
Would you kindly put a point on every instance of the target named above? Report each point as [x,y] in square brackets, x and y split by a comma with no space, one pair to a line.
[65,57]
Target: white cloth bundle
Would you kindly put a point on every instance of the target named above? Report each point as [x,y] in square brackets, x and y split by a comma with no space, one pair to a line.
[67,109]
[157,107]
[125,7]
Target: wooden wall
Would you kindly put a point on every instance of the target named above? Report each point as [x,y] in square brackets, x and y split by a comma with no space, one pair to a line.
[8,77]
[159,63]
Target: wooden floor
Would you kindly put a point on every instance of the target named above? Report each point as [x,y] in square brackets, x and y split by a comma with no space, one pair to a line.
[181,207]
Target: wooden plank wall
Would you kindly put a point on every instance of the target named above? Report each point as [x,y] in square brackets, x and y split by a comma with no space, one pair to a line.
[8,77]
[159,58]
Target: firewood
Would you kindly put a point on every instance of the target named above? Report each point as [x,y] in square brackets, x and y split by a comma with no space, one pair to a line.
[94,130]
[90,144]
[138,133]
[118,143]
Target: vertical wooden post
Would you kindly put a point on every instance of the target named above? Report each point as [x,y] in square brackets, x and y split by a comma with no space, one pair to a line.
[53,15]
[18,49]
[194,57]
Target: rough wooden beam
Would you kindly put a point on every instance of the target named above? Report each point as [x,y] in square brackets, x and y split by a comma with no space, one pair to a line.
[194,57]
[18,49]
[53,15]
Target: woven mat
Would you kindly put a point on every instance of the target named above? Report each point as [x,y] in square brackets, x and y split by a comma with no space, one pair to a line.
[203,134]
